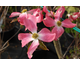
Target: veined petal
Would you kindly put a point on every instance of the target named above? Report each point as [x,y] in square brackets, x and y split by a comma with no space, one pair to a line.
[32,48]
[68,24]
[21,18]
[50,14]
[25,37]
[41,16]
[46,36]
[13,14]
[38,18]
[31,11]
[32,18]
[36,12]
[30,24]
[58,30]
[38,15]
[48,21]
[45,9]
[59,12]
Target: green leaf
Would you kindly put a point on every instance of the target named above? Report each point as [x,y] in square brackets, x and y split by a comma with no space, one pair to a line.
[67,57]
[43,13]
[71,51]
[79,35]
[71,9]
[71,55]
[42,46]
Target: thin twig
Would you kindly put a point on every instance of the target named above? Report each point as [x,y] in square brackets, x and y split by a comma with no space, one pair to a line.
[4,47]
[77,36]
[4,14]
[3,17]
[68,48]
[11,38]
[1,8]
[0,45]
[5,11]
[57,46]
[49,8]
[22,7]
[54,8]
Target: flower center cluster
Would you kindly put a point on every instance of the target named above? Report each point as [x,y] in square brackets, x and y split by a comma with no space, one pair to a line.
[59,23]
[24,10]
[35,35]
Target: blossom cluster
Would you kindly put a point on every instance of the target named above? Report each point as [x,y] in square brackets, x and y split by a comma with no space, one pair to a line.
[30,19]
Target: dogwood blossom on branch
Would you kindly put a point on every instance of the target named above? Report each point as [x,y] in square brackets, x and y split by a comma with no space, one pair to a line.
[58,25]
[44,35]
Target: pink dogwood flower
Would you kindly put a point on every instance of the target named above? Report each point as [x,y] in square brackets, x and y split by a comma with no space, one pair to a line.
[74,16]
[23,15]
[44,35]
[58,25]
